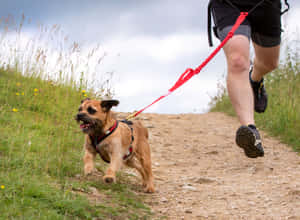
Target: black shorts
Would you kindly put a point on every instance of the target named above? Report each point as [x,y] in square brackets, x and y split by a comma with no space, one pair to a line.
[263,25]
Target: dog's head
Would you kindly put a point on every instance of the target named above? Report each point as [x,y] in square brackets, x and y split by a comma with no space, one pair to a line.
[92,114]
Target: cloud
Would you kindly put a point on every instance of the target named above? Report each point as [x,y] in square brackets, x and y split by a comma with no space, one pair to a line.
[160,49]
[148,66]
[290,21]
[148,44]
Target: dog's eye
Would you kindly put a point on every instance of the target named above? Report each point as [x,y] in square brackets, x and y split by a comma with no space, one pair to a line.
[91,110]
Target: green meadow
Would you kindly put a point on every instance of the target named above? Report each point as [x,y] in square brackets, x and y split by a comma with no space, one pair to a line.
[41,145]
[41,151]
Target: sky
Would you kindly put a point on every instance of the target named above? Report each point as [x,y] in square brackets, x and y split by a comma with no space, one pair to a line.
[148,44]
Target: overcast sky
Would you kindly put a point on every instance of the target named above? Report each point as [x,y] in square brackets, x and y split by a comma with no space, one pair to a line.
[148,45]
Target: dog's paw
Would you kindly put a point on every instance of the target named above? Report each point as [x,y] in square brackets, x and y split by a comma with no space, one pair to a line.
[86,174]
[149,189]
[109,179]
[89,173]
[88,170]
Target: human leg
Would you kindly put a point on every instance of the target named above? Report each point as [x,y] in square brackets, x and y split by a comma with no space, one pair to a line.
[238,85]
[266,60]
[239,89]
[241,96]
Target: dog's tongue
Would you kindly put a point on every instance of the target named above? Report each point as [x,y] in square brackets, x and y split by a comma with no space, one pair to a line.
[85,125]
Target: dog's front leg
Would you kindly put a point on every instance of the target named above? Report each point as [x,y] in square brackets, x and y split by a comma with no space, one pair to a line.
[116,162]
[88,160]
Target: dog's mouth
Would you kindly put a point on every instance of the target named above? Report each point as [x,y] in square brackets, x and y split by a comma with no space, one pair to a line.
[86,126]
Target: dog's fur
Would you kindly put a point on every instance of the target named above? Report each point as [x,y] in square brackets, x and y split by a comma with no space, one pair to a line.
[96,118]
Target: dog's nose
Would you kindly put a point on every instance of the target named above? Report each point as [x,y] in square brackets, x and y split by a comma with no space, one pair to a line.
[79,116]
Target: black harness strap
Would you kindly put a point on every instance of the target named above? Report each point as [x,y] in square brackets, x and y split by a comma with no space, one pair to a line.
[130,149]
[209,11]
[287,7]
[97,139]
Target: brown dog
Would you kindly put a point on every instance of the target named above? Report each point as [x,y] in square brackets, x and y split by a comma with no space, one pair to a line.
[117,142]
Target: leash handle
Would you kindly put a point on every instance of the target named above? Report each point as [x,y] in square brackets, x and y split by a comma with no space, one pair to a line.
[189,73]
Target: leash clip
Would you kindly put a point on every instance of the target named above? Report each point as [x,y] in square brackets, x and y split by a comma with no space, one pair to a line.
[131,116]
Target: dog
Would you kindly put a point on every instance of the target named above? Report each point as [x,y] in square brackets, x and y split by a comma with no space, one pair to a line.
[117,142]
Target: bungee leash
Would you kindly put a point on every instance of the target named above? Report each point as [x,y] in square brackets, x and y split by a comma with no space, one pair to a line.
[189,73]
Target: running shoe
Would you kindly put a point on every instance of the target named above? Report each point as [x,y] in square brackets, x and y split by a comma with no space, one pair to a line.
[248,138]
[260,94]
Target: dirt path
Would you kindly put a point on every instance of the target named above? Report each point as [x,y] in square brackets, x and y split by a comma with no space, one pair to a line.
[201,174]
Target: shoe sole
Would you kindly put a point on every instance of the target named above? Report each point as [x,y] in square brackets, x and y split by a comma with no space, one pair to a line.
[245,139]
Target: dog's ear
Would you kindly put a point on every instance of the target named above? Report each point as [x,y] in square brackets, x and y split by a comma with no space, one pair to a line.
[82,101]
[108,104]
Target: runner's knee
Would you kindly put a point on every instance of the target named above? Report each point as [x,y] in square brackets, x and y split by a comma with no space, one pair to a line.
[269,66]
[238,64]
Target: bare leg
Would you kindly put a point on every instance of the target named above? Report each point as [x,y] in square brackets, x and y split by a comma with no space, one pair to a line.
[239,88]
[266,59]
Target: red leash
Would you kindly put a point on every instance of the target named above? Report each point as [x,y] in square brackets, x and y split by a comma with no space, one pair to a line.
[189,73]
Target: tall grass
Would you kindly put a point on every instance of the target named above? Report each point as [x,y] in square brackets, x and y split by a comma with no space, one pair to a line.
[40,143]
[48,53]
[282,117]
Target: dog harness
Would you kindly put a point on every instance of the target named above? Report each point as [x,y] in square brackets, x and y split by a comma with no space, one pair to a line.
[96,140]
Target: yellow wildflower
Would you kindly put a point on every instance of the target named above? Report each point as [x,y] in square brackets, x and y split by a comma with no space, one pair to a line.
[15,110]
[2,187]
[22,93]
[36,90]
[83,91]
[17,93]
[85,95]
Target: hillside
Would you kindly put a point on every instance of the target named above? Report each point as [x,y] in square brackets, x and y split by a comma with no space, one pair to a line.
[41,157]
[199,171]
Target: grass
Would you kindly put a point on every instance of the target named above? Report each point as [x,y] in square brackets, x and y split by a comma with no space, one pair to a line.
[43,78]
[48,53]
[282,117]
[41,157]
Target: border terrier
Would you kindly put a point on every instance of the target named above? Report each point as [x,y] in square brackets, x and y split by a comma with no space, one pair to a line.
[117,142]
